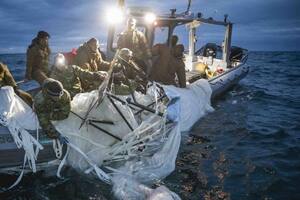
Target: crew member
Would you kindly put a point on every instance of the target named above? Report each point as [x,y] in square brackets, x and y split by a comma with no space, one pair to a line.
[6,79]
[127,76]
[136,41]
[71,76]
[88,57]
[169,63]
[53,102]
[38,58]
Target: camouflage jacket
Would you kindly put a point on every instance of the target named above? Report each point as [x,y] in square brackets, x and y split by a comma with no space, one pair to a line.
[48,109]
[5,77]
[72,78]
[136,42]
[37,59]
[92,61]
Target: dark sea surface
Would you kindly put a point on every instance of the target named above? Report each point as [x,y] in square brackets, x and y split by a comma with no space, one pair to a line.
[248,148]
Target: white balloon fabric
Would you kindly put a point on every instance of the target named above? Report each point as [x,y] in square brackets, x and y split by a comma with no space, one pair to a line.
[18,117]
[194,102]
[143,155]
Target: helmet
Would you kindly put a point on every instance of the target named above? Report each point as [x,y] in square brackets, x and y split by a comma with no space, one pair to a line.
[125,54]
[53,87]
[43,34]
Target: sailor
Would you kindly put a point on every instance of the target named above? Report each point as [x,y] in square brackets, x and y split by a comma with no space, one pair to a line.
[127,76]
[6,79]
[53,102]
[136,41]
[71,76]
[177,66]
[38,58]
[169,63]
[88,57]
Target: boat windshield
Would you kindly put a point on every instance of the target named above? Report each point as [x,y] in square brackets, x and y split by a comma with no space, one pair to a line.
[206,35]
[161,35]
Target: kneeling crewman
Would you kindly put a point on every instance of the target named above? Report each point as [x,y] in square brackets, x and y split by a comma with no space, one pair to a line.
[72,76]
[6,79]
[53,102]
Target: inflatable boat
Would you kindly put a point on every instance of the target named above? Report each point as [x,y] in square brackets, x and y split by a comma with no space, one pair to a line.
[210,71]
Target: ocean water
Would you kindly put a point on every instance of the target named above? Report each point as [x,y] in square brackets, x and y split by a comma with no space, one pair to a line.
[248,148]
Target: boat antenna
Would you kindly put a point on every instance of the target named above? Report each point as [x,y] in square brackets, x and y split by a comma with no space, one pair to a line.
[188,7]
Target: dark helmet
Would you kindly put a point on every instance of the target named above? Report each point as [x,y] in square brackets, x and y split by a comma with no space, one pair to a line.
[125,54]
[53,87]
[43,34]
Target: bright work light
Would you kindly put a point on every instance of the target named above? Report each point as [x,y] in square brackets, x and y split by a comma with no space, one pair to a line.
[114,15]
[150,18]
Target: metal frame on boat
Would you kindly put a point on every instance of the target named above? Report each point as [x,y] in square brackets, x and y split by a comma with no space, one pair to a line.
[233,70]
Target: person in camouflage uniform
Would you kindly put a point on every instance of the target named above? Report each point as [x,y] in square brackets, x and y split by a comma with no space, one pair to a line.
[136,41]
[53,102]
[38,58]
[89,58]
[71,76]
[6,79]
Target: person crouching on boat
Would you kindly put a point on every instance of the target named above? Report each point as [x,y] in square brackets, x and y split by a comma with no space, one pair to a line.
[37,65]
[53,102]
[71,76]
[127,76]
[136,41]
[89,58]
[6,79]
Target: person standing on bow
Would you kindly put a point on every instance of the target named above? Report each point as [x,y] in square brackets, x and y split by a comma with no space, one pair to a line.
[37,65]
[6,79]
[53,102]
[136,41]
[71,76]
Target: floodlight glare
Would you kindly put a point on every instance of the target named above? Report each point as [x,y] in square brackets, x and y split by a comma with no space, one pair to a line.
[150,18]
[60,61]
[114,15]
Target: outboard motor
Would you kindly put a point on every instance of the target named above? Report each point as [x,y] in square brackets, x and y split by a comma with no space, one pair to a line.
[210,50]
[236,53]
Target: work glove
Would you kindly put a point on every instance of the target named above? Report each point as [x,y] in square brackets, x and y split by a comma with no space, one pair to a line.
[101,75]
